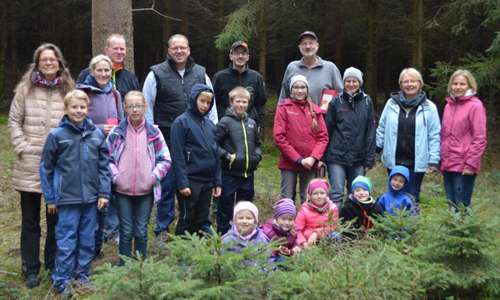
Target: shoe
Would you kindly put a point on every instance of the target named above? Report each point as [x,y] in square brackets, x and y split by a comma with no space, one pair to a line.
[32,281]
[98,254]
[161,239]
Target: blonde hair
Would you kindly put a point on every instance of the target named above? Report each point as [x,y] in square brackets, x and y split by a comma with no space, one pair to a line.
[97,59]
[28,80]
[77,94]
[468,75]
[413,73]
[239,91]
[134,93]
[313,115]
[206,93]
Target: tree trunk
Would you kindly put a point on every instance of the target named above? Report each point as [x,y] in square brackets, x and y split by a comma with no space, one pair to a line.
[321,27]
[167,27]
[184,18]
[371,53]
[220,53]
[3,50]
[113,16]
[417,59]
[262,40]
[337,4]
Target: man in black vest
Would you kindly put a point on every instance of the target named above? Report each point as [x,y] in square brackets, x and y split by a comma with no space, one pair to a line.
[166,90]
[239,74]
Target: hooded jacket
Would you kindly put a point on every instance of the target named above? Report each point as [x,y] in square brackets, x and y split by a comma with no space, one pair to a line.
[74,166]
[350,122]
[238,135]
[309,220]
[243,242]
[104,103]
[157,148]
[427,134]
[195,153]
[400,199]
[274,232]
[463,134]
[294,135]
[228,79]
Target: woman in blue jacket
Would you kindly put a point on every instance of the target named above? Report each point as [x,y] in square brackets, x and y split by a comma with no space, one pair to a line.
[409,131]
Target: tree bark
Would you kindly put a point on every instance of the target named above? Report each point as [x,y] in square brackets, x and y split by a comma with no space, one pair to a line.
[262,40]
[220,56]
[371,53]
[184,18]
[167,27]
[3,50]
[337,4]
[113,16]
[321,27]
[417,59]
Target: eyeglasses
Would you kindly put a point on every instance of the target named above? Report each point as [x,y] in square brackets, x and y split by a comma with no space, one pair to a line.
[311,44]
[412,81]
[181,48]
[298,88]
[47,60]
[134,107]
[243,54]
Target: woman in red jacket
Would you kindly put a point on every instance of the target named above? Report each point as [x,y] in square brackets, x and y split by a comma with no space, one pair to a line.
[463,137]
[300,135]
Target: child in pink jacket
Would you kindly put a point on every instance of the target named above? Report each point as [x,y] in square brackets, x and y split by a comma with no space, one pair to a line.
[318,216]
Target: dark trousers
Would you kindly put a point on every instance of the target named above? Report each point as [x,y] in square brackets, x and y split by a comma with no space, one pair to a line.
[194,210]
[31,233]
[459,188]
[165,208]
[234,189]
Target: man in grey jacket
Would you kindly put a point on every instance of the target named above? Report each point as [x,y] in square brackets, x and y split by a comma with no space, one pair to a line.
[321,74]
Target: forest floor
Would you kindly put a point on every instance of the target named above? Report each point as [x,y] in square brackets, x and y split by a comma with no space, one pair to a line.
[267,182]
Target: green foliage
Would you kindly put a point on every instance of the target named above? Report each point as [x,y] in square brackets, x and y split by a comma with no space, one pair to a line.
[241,25]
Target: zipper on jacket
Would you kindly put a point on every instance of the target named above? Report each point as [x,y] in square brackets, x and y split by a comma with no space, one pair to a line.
[49,109]
[188,154]
[246,146]
[135,160]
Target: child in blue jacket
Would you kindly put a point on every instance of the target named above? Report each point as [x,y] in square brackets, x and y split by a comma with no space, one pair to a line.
[397,198]
[76,182]
[195,161]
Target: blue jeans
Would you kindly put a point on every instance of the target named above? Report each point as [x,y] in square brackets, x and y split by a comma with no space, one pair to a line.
[338,174]
[75,231]
[234,189]
[134,213]
[415,182]
[458,188]
[165,208]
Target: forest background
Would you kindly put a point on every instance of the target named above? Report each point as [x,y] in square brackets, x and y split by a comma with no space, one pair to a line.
[444,256]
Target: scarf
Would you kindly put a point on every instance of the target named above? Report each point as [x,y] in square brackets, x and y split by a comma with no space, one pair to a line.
[409,103]
[44,82]
[318,209]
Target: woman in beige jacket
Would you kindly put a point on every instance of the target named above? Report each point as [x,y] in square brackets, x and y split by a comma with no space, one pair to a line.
[35,111]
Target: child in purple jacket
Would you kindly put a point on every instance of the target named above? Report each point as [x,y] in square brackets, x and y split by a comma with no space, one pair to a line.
[282,227]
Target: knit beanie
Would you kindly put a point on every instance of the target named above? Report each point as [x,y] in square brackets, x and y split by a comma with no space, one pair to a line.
[285,207]
[296,78]
[362,181]
[353,72]
[246,205]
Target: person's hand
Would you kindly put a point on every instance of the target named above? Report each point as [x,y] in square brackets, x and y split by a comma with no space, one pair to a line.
[366,169]
[284,250]
[313,238]
[107,129]
[52,209]
[321,164]
[233,157]
[308,162]
[218,191]
[297,249]
[431,170]
[467,172]
[101,203]
[185,192]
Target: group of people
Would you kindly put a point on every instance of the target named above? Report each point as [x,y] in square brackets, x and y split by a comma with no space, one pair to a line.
[104,153]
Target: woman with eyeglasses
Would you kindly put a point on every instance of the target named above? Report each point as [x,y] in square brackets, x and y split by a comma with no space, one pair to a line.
[36,110]
[106,110]
[409,131]
[300,135]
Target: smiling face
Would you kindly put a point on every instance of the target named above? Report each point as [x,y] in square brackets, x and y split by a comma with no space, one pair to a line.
[459,86]
[102,73]
[398,181]
[77,110]
[135,108]
[116,50]
[361,194]
[319,197]
[245,222]
[179,51]
[240,106]
[411,86]
[285,222]
[239,56]
[308,47]
[48,64]
[299,91]
[351,85]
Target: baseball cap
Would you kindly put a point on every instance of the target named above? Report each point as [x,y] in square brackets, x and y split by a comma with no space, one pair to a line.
[239,43]
[308,33]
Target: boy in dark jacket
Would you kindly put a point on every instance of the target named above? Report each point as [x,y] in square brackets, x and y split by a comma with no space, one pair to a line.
[360,205]
[75,175]
[195,161]
[240,153]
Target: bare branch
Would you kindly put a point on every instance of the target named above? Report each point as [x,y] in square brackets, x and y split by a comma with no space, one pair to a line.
[154,10]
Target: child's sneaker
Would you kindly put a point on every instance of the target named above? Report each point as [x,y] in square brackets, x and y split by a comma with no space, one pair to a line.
[32,281]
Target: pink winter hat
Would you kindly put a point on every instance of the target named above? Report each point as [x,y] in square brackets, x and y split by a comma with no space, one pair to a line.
[246,205]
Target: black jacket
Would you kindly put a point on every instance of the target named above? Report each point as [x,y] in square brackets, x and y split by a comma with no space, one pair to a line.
[351,130]
[226,80]
[126,81]
[364,213]
[239,136]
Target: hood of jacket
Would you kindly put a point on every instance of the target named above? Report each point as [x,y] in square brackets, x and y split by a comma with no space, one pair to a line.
[397,96]
[229,113]
[401,170]
[193,105]
[453,99]
[88,125]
